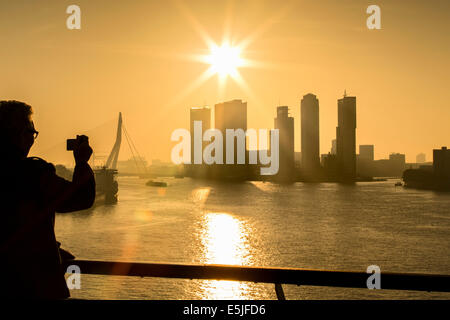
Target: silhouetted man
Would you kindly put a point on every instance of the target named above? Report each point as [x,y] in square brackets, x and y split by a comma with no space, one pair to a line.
[30,194]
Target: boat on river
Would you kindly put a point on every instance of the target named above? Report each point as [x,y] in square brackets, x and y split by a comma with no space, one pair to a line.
[153,183]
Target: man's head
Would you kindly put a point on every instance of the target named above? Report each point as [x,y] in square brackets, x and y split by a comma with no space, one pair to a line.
[17,132]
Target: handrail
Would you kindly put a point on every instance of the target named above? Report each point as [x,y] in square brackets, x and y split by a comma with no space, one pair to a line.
[277,276]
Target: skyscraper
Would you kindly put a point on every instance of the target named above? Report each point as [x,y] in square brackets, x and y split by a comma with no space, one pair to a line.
[346,138]
[310,134]
[202,114]
[285,125]
[231,115]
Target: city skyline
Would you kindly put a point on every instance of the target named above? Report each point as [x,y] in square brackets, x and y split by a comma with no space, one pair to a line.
[365,150]
[341,164]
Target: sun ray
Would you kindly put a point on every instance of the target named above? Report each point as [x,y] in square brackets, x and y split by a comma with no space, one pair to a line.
[222,82]
[266,25]
[245,87]
[194,85]
[228,21]
[228,69]
[194,22]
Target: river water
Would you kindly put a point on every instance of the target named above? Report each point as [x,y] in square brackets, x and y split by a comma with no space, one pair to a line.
[320,226]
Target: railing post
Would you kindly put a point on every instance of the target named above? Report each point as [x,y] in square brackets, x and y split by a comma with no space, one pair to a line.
[279,291]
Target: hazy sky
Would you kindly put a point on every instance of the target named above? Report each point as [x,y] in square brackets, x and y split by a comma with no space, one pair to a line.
[133,56]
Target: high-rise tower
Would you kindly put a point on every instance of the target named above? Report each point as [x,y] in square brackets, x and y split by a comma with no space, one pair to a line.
[203,114]
[285,125]
[346,138]
[310,135]
[231,115]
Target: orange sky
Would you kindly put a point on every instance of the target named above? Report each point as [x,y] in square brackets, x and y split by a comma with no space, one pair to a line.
[133,57]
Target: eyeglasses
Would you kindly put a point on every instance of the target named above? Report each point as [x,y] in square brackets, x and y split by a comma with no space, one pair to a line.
[30,128]
[34,132]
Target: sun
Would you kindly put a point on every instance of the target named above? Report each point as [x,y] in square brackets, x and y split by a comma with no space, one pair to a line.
[225,60]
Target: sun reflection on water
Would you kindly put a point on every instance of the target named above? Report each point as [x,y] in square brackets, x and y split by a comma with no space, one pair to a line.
[224,241]
[200,195]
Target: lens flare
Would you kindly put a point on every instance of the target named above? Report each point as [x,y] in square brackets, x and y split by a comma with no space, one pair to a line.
[225,60]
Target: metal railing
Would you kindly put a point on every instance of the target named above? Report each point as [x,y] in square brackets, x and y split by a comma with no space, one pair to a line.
[277,276]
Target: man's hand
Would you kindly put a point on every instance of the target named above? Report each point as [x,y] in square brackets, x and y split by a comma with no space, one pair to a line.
[83,151]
